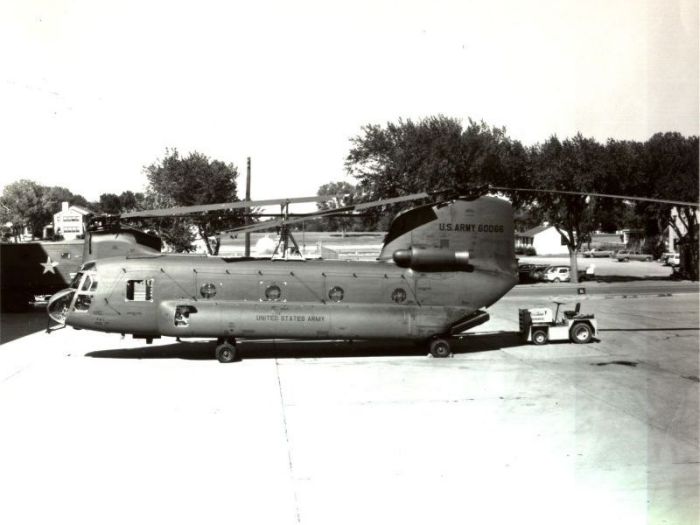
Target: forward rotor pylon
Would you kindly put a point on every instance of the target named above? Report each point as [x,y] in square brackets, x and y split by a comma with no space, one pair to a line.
[287,247]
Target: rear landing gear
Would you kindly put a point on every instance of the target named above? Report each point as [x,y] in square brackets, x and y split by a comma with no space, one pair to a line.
[226,350]
[439,347]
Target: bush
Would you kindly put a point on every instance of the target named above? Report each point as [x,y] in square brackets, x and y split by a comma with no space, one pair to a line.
[525,250]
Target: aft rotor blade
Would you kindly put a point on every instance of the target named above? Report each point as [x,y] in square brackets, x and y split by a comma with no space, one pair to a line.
[605,195]
[200,208]
[329,213]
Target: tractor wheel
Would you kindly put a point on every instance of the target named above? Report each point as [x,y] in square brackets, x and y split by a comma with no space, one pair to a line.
[581,333]
[440,348]
[226,353]
[539,336]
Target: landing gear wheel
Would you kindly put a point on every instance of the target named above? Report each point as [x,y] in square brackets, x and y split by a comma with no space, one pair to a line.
[226,352]
[581,333]
[440,348]
[539,337]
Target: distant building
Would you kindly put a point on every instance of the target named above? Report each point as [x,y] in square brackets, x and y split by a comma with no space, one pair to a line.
[70,221]
[671,237]
[546,240]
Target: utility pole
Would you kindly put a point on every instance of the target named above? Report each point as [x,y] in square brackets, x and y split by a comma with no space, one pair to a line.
[247,210]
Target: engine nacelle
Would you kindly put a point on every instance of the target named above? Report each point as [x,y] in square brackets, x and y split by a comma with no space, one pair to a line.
[433,260]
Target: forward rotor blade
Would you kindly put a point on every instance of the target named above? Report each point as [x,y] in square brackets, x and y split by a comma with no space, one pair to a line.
[604,195]
[186,210]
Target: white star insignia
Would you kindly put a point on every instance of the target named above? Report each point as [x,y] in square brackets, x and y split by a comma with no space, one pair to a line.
[49,265]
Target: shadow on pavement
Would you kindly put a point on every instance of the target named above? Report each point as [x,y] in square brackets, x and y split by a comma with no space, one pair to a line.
[16,325]
[204,350]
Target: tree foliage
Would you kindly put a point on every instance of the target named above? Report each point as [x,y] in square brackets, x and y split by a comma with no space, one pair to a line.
[187,181]
[433,154]
[112,204]
[25,203]
[345,194]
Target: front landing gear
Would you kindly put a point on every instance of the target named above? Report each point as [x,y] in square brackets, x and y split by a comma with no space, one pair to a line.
[439,347]
[226,350]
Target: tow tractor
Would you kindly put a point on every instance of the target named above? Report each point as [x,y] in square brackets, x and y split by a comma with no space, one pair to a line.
[540,325]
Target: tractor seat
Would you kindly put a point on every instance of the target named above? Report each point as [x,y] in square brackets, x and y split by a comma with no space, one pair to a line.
[572,313]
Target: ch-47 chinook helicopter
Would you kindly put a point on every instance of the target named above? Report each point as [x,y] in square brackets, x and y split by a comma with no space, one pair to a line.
[441,264]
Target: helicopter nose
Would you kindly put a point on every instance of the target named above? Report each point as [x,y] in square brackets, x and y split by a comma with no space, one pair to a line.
[59,304]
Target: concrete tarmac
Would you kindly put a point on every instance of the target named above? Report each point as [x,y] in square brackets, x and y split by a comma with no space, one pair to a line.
[96,429]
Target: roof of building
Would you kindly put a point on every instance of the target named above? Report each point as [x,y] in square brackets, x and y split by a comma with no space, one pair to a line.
[79,209]
[533,231]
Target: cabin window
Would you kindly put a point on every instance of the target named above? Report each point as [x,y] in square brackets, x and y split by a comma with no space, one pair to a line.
[208,290]
[398,295]
[273,293]
[336,294]
[139,290]
[65,255]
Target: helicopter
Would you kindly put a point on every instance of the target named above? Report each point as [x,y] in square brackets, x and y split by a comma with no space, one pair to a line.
[440,266]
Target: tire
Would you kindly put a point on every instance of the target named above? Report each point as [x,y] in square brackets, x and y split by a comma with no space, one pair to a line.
[539,336]
[581,333]
[648,259]
[226,353]
[626,259]
[557,280]
[440,348]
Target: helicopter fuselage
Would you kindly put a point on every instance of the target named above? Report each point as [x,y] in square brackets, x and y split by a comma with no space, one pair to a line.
[192,296]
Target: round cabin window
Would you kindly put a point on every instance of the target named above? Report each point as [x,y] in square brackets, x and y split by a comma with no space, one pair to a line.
[398,295]
[273,293]
[208,290]
[336,294]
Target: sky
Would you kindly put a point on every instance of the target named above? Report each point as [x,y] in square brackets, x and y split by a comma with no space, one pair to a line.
[93,91]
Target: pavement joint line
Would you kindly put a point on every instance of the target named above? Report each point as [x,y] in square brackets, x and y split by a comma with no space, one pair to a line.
[14,374]
[286,439]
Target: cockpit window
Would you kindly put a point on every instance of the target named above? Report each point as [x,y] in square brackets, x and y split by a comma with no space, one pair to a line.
[86,284]
[76,280]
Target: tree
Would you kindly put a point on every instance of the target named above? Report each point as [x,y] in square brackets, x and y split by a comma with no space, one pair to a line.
[575,164]
[345,194]
[670,171]
[109,204]
[22,204]
[176,181]
[436,153]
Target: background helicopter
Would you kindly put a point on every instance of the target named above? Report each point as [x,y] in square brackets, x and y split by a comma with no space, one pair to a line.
[441,264]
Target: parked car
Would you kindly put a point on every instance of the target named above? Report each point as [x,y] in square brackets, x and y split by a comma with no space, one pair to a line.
[674,260]
[557,274]
[598,252]
[537,273]
[664,259]
[525,272]
[633,255]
